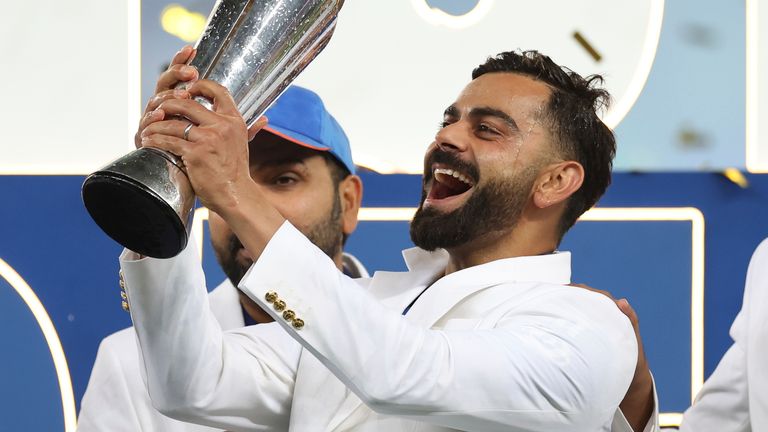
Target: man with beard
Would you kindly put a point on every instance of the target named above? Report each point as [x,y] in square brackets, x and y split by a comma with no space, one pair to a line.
[315,189]
[481,333]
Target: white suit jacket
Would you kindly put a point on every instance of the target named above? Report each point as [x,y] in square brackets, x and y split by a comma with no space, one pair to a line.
[116,398]
[503,346]
[735,397]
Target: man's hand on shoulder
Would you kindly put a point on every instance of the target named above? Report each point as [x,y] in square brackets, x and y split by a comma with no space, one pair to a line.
[638,404]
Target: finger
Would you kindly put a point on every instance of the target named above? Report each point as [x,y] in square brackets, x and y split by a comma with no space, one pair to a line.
[184,55]
[627,310]
[153,114]
[174,127]
[175,74]
[147,119]
[172,144]
[261,122]
[222,100]
[190,109]
[156,100]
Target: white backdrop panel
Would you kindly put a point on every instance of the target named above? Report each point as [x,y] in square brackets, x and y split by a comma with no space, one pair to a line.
[70,83]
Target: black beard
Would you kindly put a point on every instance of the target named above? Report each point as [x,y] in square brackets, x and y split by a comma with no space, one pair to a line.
[231,267]
[493,207]
[327,235]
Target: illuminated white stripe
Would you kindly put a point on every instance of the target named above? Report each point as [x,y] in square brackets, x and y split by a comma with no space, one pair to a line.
[754,163]
[670,419]
[51,338]
[648,54]
[133,39]
[599,214]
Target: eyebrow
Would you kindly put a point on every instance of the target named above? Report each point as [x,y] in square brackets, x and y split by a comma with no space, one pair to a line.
[486,111]
[280,162]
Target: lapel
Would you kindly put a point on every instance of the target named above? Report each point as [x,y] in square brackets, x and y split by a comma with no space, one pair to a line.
[395,290]
[436,297]
[449,290]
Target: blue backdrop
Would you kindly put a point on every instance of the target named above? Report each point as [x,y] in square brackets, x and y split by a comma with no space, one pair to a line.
[48,238]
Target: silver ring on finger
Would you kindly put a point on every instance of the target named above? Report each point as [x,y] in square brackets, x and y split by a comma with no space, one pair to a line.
[186,131]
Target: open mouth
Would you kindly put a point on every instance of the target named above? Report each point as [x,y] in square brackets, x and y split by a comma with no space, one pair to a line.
[448,183]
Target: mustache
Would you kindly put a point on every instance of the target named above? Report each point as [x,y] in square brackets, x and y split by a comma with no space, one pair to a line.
[452,161]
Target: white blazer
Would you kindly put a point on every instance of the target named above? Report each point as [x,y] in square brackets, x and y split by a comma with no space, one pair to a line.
[504,346]
[116,398]
[735,397]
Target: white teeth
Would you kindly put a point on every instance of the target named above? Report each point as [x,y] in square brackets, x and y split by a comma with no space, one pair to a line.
[454,174]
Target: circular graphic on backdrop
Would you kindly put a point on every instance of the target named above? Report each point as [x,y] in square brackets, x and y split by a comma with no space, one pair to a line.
[392,67]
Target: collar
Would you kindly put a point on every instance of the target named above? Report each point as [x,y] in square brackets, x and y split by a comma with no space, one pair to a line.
[554,268]
[447,291]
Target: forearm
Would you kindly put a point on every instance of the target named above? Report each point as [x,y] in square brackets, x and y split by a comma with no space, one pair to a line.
[250,216]
[174,325]
[638,406]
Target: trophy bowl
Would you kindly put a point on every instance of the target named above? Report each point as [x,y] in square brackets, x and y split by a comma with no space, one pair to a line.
[255,49]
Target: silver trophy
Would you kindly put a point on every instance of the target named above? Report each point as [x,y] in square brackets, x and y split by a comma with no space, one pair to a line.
[144,200]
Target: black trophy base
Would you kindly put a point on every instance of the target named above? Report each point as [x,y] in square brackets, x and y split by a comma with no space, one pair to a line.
[133,215]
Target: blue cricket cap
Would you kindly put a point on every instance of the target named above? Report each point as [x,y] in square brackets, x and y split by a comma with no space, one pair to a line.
[300,117]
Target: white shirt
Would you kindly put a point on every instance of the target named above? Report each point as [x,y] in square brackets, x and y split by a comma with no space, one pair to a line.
[501,346]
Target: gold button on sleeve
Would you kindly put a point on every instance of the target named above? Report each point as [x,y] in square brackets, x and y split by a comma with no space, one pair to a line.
[123,295]
[125,306]
[289,315]
[279,305]
[270,297]
[298,323]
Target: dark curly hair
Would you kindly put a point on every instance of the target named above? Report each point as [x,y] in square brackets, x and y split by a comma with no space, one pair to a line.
[572,111]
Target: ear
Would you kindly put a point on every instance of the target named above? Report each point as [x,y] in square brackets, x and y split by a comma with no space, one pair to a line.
[351,196]
[557,183]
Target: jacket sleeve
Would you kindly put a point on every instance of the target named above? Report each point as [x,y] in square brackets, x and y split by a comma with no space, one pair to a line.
[539,369]
[240,380]
[723,402]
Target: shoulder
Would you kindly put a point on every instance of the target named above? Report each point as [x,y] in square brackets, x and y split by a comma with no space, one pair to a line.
[117,352]
[575,303]
[581,334]
[587,319]
[119,342]
[760,255]
[757,273]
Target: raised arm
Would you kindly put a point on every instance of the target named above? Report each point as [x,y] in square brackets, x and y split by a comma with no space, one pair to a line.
[241,380]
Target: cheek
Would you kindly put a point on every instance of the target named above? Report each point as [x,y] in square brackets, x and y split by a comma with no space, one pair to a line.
[304,210]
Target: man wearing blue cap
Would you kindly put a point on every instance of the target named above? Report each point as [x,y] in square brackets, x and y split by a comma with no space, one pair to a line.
[302,152]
